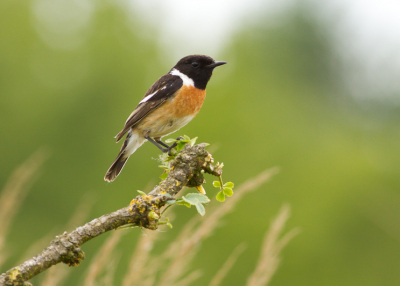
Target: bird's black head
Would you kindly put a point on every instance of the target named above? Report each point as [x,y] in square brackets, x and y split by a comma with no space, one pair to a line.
[198,68]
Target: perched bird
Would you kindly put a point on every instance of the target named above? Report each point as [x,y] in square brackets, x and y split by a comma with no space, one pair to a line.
[170,103]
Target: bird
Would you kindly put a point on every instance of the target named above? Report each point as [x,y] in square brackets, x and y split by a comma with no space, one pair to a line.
[170,103]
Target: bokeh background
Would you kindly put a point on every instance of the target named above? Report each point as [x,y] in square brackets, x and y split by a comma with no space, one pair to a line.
[311,86]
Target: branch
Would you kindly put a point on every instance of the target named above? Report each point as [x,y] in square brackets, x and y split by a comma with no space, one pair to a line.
[144,211]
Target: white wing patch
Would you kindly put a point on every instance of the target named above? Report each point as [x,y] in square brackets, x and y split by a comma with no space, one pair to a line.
[186,80]
[150,95]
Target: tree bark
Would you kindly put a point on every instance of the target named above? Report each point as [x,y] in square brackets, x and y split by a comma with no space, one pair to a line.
[144,211]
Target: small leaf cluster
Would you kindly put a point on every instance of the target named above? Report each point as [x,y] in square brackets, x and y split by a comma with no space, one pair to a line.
[182,141]
[193,199]
[166,222]
[166,158]
[225,189]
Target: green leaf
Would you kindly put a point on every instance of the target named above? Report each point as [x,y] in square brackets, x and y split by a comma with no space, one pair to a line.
[169,225]
[192,201]
[171,202]
[186,137]
[163,167]
[170,140]
[201,198]
[217,184]
[183,203]
[228,192]
[193,141]
[229,185]
[163,157]
[220,197]
[164,176]
[142,193]
[180,146]
[201,210]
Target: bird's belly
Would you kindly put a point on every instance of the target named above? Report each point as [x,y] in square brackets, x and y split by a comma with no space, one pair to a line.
[163,128]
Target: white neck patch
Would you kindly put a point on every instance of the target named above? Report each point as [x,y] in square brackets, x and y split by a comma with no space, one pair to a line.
[186,80]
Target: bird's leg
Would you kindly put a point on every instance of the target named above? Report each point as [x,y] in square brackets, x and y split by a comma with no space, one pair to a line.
[173,145]
[168,148]
[158,140]
[157,145]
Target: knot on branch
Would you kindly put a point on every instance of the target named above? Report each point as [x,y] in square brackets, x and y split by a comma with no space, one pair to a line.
[70,252]
[146,211]
[186,169]
[196,180]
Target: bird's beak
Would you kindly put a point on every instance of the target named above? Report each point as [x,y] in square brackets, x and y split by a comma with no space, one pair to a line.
[215,64]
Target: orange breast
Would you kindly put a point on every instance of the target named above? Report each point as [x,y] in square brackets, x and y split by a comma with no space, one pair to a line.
[173,114]
[187,101]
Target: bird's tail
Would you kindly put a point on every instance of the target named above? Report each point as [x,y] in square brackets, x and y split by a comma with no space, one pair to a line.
[132,142]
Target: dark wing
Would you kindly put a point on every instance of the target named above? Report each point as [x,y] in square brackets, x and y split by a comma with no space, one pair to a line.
[158,93]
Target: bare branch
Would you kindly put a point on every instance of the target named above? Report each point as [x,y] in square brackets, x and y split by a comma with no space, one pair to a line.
[144,211]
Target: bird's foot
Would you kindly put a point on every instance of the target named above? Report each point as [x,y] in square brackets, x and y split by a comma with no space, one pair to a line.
[173,145]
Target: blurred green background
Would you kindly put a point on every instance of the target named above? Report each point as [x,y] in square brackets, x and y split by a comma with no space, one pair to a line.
[281,101]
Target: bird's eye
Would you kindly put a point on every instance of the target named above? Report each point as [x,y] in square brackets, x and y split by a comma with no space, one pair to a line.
[195,64]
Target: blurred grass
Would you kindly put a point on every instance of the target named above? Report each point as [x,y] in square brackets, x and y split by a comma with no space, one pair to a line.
[279,101]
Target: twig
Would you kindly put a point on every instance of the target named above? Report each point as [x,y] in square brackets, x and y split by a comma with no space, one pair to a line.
[144,211]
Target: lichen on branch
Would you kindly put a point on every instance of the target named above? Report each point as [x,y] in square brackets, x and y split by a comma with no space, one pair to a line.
[185,168]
